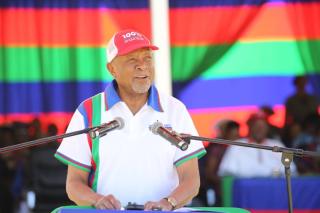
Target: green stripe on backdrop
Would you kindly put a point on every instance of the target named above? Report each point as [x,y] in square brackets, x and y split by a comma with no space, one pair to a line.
[246,59]
[209,62]
[52,64]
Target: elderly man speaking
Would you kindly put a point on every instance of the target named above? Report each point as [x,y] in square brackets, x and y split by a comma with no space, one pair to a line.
[132,164]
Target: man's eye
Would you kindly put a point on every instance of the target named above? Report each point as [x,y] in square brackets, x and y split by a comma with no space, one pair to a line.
[148,58]
[132,60]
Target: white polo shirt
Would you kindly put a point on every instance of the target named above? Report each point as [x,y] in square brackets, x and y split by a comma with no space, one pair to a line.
[133,164]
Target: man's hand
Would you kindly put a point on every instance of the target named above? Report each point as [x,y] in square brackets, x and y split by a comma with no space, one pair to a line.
[107,202]
[162,204]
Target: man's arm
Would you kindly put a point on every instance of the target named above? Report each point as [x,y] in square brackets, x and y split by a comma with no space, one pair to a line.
[79,192]
[189,184]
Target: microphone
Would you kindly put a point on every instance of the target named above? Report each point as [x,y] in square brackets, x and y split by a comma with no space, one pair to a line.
[103,129]
[175,139]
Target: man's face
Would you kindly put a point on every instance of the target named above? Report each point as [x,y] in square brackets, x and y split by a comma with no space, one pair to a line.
[232,134]
[259,130]
[133,72]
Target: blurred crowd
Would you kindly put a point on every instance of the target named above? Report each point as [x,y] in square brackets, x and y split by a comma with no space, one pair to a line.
[32,179]
[301,131]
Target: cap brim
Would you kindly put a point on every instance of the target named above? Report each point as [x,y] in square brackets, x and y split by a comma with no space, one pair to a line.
[133,48]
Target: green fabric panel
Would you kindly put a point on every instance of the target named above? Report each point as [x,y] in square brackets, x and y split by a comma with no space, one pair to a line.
[215,209]
[222,209]
[96,120]
[227,184]
[285,58]
[53,64]
[71,207]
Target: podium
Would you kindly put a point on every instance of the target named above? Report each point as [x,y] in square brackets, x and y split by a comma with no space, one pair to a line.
[78,209]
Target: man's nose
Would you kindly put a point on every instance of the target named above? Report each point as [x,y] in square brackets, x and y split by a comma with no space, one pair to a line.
[142,66]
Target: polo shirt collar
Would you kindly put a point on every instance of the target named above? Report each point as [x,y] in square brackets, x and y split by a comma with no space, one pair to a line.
[112,97]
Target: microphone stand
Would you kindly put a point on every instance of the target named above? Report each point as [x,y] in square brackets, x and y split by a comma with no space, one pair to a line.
[90,130]
[286,159]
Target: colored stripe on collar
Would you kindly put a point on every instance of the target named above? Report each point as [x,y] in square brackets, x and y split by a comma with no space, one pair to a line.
[154,99]
[112,97]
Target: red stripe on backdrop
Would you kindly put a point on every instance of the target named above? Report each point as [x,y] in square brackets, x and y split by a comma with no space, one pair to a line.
[189,26]
[68,27]
[218,25]
[206,119]
[61,119]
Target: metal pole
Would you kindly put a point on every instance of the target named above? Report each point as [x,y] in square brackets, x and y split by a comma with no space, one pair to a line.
[286,161]
[160,37]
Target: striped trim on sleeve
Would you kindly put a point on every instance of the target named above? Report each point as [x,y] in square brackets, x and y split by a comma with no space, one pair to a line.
[198,153]
[66,160]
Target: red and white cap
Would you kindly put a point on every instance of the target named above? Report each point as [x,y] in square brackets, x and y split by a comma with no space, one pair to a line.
[126,41]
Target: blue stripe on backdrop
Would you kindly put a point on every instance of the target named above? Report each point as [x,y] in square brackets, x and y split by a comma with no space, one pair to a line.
[198,94]
[206,3]
[133,3]
[45,97]
[75,3]
[234,92]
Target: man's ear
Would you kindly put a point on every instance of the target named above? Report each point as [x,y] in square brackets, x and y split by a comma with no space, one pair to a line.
[111,69]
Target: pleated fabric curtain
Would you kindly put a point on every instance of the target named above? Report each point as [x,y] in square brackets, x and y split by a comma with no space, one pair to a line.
[228,56]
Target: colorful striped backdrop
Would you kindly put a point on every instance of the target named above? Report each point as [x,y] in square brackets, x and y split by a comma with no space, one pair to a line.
[228,56]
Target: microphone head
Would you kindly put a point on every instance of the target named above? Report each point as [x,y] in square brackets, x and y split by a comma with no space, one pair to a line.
[155,126]
[120,122]
[184,146]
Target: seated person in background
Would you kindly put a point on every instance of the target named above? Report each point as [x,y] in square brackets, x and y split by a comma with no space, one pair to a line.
[6,171]
[250,162]
[290,133]
[131,164]
[274,131]
[229,130]
[309,139]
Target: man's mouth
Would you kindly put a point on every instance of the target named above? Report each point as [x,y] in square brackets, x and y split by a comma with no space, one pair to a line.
[141,76]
